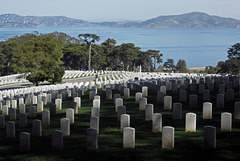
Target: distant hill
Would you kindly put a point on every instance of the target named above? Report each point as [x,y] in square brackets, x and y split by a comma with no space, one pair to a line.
[13,20]
[188,20]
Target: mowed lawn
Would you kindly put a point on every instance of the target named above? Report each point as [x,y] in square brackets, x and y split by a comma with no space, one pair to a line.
[188,145]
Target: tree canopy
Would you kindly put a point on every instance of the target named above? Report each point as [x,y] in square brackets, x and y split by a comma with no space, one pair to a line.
[40,57]
[169,64]
[181,66]
[89,39]
[232,65]
[45,56]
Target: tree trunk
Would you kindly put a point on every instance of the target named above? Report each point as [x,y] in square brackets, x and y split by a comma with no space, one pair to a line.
[89,58]
[155,62]
[36,82]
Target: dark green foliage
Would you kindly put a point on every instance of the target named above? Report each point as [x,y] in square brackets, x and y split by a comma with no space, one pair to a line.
[210,70]
[156,55]
[66,39]
[9,51]
[75,56]
[21,39]
[40,57]
[169,64]
[234,51]
[89,39]
[127,54]
[38,54]
[232,65]
[181,66]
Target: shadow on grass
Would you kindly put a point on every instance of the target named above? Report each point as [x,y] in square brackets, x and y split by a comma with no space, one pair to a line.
[188,145]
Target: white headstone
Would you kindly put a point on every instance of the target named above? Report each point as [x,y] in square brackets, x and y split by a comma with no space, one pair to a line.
[58,103]
[70,115]
[125,121]
[96,103]
[128,138]
[78,100]
[65,126]
[144,91]
[157,122]
[94,123]
[207,110]
[190,125]
[119,102]
[40,106]
[138,95]
[226,121]
[167,102]
[168,137]
[149,110]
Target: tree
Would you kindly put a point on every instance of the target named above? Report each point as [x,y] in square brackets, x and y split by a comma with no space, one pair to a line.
[7,57]
[127,54]
[234,51]
[181,66]
[145,61]
[40,58]
[66,39]
[156,55]
[232,65]
[75,57]
[89,39]
[108,47]
[169,64]
[210,70]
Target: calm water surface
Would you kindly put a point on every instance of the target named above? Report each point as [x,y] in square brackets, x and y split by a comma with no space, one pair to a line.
[199,47]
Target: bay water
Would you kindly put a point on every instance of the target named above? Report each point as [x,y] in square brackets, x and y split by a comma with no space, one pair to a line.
[198,47]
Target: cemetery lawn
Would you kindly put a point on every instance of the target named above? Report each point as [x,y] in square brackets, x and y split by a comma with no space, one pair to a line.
[188,145]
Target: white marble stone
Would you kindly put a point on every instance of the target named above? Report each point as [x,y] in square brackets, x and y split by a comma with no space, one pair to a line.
[128,138]
[167,137]
[191,120]
[157,122]
[226,122]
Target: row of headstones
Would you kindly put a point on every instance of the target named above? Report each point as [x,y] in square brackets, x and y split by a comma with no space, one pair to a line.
[65,122]
[12,79]
[30,91]
[209,131]
[76,74]
[45,88]
[177,107]
[168,132]
[209,137]
[164,87]
[193,100]
[127,143]
[177,114]
[44,97]
[37,125]
[184,82]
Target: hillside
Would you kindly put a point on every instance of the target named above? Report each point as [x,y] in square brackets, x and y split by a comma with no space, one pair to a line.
[188,20]
[13,20]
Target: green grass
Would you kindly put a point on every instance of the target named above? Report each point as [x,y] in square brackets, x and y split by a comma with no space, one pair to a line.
[188,146]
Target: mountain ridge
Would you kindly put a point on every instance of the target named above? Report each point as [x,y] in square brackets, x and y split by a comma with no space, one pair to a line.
[186,20]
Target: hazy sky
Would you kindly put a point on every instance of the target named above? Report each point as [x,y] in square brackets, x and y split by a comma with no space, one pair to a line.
[99,10]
